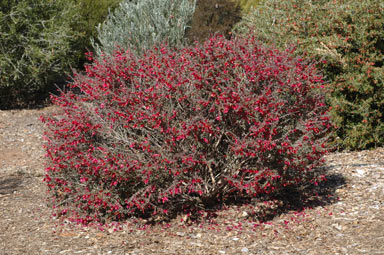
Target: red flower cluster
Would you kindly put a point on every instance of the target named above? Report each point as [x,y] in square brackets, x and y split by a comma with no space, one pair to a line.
[181,128]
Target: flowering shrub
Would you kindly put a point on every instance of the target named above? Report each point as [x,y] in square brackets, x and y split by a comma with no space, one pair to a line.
[177,130]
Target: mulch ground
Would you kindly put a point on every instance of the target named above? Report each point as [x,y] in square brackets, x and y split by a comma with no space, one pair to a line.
[348,218]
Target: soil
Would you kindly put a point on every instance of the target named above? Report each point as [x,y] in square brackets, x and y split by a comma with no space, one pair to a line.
[346,218]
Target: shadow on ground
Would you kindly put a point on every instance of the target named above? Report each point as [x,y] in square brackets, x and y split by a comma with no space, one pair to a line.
[266,208]
[10,184]
[298,200]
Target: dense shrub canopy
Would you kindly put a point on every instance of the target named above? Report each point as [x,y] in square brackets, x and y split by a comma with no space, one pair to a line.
[349,36]
[182,129]
[36,42]
[141,24]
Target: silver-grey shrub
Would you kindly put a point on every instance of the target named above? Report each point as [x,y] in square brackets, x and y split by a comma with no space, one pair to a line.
[139,24]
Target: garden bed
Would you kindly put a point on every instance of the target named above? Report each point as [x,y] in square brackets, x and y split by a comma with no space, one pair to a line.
[347,218]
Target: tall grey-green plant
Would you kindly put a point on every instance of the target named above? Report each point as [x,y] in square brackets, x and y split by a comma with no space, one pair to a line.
[139,24]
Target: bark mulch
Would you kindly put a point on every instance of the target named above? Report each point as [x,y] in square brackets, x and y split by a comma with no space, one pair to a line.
[346,218]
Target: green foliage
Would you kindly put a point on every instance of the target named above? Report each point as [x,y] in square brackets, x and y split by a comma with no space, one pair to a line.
[93,13]
[90,13]
[247,5]
[139,24]
[210,17]
[36,42]
[349,37]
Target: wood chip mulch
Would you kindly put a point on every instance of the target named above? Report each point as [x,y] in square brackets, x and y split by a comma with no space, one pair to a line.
[348,218]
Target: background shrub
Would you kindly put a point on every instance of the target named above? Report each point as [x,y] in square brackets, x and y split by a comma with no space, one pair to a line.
[349,36]
[90,13]
[36,49]
[210,17]
[247,5]
[182,129]
[139,24]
